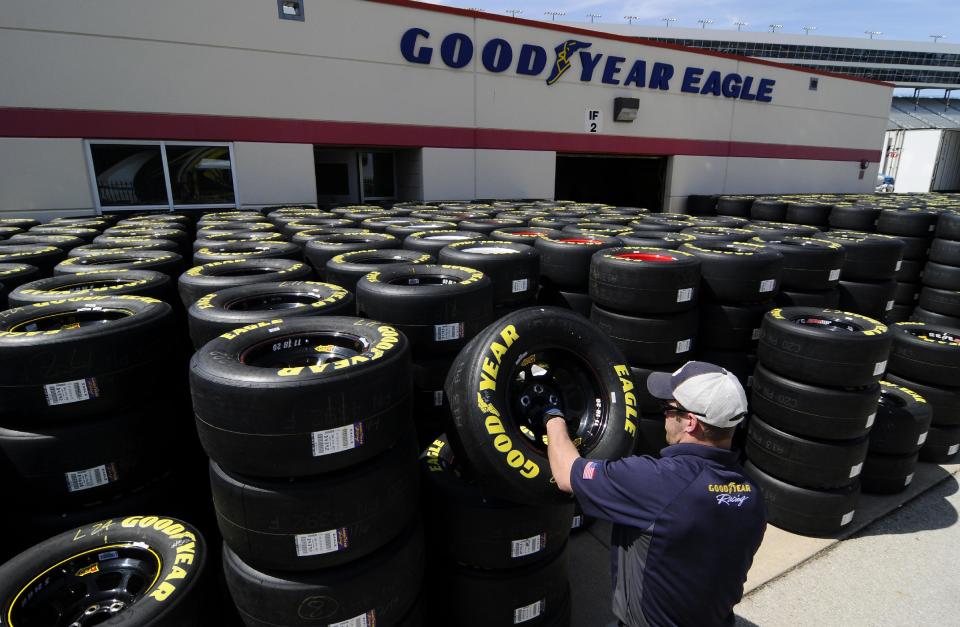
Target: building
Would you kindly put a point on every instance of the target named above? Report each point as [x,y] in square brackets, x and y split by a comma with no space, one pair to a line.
[914,64]
[130,104]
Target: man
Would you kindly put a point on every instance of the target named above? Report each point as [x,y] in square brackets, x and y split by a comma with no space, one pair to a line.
[686,526]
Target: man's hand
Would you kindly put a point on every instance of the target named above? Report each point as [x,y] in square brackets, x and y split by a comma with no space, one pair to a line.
[551,413]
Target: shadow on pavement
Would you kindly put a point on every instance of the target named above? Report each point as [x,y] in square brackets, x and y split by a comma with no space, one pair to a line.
[743,622]
[939,514]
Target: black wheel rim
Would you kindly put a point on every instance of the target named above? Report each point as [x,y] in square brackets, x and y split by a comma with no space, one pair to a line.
[304,350]
[86,589]
[564,375]
[272,302]
[89,284]
[68,320]
[827,324]
[425,279]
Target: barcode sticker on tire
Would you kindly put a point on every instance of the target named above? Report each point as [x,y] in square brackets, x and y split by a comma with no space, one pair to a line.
[870,420]
[321,542]
[880,367]
[527,546]
[932,227]
[908,479]
[889,305]
[922,438]
[336,440]
[855,470]
[768,286]
[364,620]
[684,295]
[834,274]
[90,478]
[899,264]
[520,285]
[577,522]
[438,398]
[755,335]
[69,392]
[846,518]
[953,449]
[528,612]
[683,346]
[446,332]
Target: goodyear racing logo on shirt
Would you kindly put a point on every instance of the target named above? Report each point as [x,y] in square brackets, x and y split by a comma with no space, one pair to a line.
[563,62]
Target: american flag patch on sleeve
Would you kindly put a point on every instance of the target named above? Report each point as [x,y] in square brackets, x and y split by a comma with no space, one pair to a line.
[590,470]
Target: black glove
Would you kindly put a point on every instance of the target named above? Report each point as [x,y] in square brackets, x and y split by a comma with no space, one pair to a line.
[552,410]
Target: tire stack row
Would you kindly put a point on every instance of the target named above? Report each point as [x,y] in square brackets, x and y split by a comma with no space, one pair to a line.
[914,227]
[867,284]
[645,300]
[814,400]
[939,298]
[313,468]
[926,359]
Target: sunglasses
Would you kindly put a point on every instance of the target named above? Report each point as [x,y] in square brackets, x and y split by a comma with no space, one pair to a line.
[678,410]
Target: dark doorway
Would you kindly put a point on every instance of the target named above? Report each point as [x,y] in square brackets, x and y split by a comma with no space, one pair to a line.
[621,181]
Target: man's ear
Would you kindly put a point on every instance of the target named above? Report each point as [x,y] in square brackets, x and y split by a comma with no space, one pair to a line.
[692,423]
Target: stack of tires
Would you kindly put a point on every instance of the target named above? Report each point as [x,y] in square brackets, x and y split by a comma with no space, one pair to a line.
[901,428]
[914,227]
[493,562]
[926,359]
[439,308]
[89,406]
[739,281]
[871,262]
[814,400]
[939,299]
[565,263]
[13,275]
[313,467]
[645,300]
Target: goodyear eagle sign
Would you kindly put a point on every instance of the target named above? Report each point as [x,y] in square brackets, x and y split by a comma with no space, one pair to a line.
[497,55]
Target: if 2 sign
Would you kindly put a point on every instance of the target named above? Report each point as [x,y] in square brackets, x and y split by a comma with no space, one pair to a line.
[593,121]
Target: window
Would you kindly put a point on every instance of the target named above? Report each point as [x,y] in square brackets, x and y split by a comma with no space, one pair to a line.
[161,175]
[376,175]
[814,83]
[290,9]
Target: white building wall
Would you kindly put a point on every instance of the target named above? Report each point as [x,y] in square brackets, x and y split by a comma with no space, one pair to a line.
[917,160]
[449,174]
[515,174]
[274,174]
[48,175]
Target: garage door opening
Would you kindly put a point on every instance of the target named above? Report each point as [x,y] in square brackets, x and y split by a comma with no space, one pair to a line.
[626,181]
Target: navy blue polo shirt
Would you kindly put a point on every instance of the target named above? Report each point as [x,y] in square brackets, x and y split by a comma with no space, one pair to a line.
[685,529]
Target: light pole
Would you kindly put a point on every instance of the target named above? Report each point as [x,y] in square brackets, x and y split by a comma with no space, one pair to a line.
[554,14]
[667,20]
[872,33]
[704,22]
[514,12]
[936,38]
[807,29]
[740,24]
[774,27]
[593,15]
[630,18]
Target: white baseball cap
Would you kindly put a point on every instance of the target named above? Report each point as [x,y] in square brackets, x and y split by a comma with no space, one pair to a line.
[708,391]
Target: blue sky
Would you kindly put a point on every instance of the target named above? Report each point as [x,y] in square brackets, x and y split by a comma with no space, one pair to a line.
[904,19]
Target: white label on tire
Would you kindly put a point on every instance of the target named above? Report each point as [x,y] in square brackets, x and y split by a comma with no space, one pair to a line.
[922,438]
[527,546]
[684,345]
[577,522]
[908,479]
[69,392]
[364,620]
[880,367]
[438,398]
[336,440]
[755,335]
[520,285]
[447,332]
[870,420]
[889,305]
[768,286]
[953,449]
[90,478]
[321,542]
[899,263]
[528,612]
[834,274]
[685,295]
[931,227]
[855,470]
[846,518]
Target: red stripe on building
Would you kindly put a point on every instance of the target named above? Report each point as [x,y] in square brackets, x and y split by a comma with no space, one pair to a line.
[17,122]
